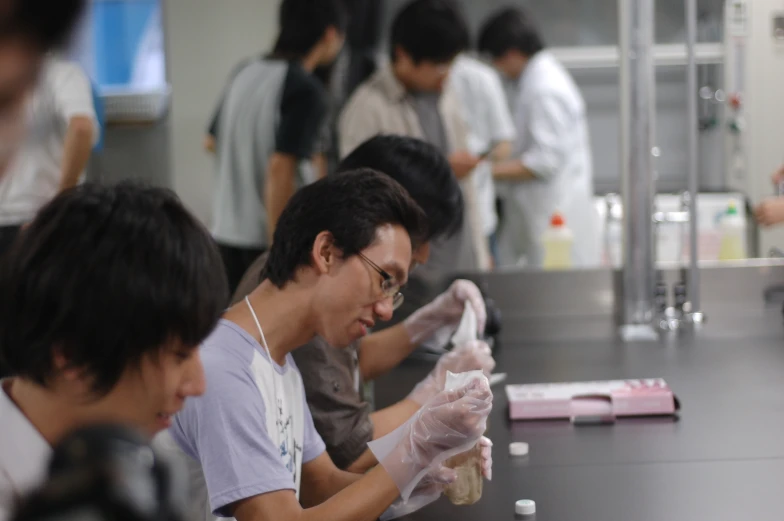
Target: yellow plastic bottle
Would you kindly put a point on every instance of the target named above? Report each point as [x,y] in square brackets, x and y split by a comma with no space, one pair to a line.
[733,235]
[558,241]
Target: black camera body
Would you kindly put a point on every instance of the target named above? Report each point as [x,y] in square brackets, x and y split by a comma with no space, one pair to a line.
[105,473]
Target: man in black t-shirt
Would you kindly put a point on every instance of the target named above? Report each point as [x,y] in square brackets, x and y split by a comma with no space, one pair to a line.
[266,127]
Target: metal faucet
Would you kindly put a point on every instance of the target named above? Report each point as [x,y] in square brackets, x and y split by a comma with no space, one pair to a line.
[643,297]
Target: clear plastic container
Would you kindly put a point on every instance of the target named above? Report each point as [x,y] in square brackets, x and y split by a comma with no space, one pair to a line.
[733,235]
[557,242]
[467,489]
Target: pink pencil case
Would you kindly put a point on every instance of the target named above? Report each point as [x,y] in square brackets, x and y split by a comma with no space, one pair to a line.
[614,398]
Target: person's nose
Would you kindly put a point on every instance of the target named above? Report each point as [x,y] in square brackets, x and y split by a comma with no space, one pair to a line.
[195,383]
[384,309]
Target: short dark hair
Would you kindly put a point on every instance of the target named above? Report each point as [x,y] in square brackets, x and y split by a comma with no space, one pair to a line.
[106,275]
[512,28]
[350,206]
[45,23]
[303,23]
[430,30]
[422,170]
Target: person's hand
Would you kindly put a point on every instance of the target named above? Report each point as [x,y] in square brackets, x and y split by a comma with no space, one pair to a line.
[778,176]
[463,163]
[439,476]
[486,454]
[770,211]
[446,421]
[434,483]
[446,310]
[471,356]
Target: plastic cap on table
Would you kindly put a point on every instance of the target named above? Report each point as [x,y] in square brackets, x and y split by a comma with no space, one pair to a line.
[525,507]
[518,448]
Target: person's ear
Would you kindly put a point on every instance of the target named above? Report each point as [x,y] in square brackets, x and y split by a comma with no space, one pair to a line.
[324,252]
[401,56]
[331,36]
[63,367]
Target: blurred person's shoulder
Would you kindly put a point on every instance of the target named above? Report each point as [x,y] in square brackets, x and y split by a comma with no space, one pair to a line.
[24,454]
[251,279]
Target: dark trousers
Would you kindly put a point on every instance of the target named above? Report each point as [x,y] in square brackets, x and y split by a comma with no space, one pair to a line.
[237,261]
[7,236]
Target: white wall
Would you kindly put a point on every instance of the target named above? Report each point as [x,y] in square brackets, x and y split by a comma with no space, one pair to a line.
[205,39]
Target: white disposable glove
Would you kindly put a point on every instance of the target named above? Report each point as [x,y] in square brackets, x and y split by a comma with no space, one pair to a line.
[471,356]
[435,482]
[447,421]
[445,312]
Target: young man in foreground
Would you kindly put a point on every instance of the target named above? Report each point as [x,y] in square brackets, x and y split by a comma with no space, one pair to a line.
[341,252]
[103,302]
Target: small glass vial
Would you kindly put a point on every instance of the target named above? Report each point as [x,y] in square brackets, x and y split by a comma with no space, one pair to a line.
[467,489]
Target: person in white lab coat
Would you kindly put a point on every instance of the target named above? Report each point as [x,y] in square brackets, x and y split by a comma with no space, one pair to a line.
[490,132]
[551,169]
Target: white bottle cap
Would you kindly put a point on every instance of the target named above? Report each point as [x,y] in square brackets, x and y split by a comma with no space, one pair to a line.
[525,507]
[519,448]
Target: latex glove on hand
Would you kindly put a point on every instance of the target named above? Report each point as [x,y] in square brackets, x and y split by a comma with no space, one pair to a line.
[445,422]
[433,484]
[445,312]
[471,356]
[439,477]
[487,457]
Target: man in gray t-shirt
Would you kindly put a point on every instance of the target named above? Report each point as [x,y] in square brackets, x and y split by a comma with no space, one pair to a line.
[333,377]
[264,133]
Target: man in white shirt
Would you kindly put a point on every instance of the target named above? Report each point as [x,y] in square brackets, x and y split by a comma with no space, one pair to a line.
[28,30]
[490,131]
[551,170]
[104,301]
[62,129]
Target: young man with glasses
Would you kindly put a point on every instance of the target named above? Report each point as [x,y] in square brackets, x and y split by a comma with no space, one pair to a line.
[341,252]
[333,377]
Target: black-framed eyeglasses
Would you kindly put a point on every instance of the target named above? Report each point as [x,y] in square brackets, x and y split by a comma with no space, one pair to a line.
[389,285]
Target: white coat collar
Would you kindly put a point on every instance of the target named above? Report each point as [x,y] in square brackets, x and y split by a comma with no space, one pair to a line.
[24,454]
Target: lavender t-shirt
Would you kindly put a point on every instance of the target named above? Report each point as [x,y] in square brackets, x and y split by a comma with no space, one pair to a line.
[244,444]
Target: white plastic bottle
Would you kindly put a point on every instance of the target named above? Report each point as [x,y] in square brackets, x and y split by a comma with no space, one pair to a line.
[557,241]
[733,235]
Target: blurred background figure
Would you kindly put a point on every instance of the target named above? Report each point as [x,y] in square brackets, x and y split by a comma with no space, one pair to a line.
[490,135]
[770,211]
[62,129]
[28,30]
[551,170]
[411,96]
[266,128]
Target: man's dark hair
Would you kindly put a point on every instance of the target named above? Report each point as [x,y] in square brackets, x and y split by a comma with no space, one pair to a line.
[422,170]
[303,23]
[350,206]
[430,30]
[45,23]
[512,28]
[103,276]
